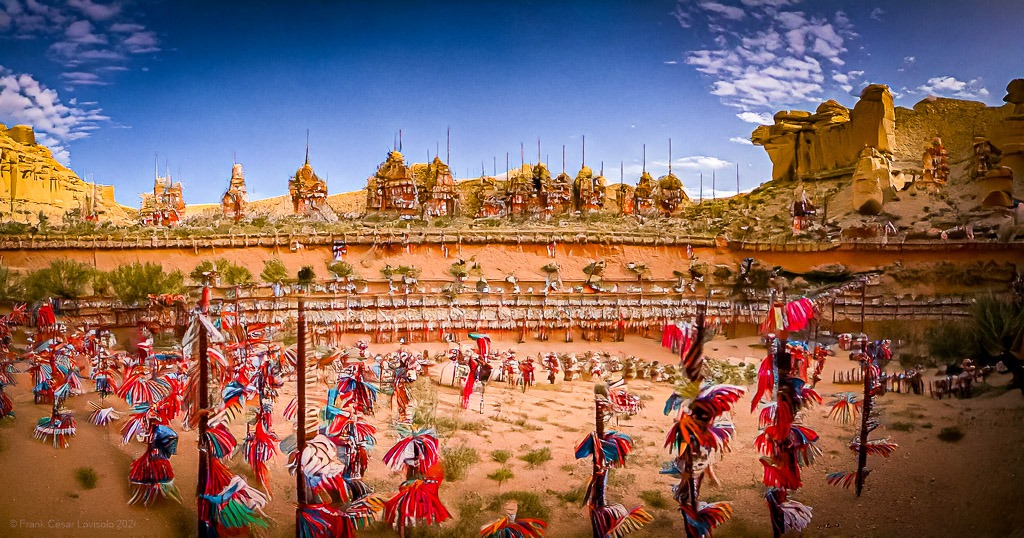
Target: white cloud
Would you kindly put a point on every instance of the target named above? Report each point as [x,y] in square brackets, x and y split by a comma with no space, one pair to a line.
[81,35]
[141,42]
[80,32]
[99,12]
[670,62]
[741,140]
[877,13]
[772,58]
[952,87]
[23,100]
[754,117]
[729,12]
[80,78]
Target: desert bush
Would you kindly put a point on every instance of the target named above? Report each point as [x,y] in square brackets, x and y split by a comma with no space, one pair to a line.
[457,460]
[501,456]
[10,285]
[537,457]
[86,477]
[306,275]
[951,341]
[341,269]
[133,283]
[654,499]
[530,504]
[230,273]
[274,271]
[63,278]
[501,475]
[902,426]
[951,434]
[573,496]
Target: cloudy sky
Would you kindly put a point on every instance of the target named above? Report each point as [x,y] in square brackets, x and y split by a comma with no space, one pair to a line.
[115,87]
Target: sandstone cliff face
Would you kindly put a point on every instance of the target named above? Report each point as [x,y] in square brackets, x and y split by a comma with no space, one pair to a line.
[826,144]
[31,180]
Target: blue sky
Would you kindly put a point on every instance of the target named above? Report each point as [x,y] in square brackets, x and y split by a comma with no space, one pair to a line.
[115,86]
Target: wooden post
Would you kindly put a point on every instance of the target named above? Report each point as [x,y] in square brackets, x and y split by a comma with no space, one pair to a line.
[300,416]
[863,299]
[862,454]
[204,404]
[598,500]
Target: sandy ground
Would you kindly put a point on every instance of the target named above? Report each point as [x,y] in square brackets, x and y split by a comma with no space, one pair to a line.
[927,488]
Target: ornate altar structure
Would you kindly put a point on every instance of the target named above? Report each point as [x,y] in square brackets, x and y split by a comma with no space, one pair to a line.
[643,196]
[166,206]
[670,196]
[444,196]
[935,162]
[521,198]
[393,188]
[588,191]
[308,192]
[492,199]
[235,200]
[558,200]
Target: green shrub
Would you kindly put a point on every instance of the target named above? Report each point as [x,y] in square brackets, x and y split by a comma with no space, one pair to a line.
[86,477]
[501,475]
[902,426]
[501,456]
[573,496]
[274,271]
[530,504]
[63,278]
[537,457]
[951,434]
[654,499]
[133,283]
[457,460]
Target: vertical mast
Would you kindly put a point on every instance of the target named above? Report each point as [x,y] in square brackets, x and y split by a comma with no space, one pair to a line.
[645,158]
[583,160]
[307,146]
[563,158]
[669,155]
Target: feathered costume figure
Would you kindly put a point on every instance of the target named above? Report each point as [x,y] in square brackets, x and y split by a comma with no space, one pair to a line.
[511,527]
[417,501]
[608,449]
[334,460]
[785,445]
[699,431]
[845,409]
[7,371]
[156,401]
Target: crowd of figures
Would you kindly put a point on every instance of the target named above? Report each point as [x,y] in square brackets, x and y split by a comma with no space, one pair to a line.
[245,371]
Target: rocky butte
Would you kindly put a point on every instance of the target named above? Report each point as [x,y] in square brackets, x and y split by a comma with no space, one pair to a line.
[31,180]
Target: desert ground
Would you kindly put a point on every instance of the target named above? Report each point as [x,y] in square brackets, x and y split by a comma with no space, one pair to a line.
[929,487]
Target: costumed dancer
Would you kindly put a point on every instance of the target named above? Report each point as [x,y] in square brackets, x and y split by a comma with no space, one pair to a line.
[417,500]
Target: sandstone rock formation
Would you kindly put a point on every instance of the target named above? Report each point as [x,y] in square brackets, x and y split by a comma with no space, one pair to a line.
[1010,134]
[31,180]
[826,144]
[870,176]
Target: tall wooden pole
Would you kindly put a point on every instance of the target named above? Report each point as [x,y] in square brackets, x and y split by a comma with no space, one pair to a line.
[300,416]
[202,505]
[865,412]
[597,500]
[863,297]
